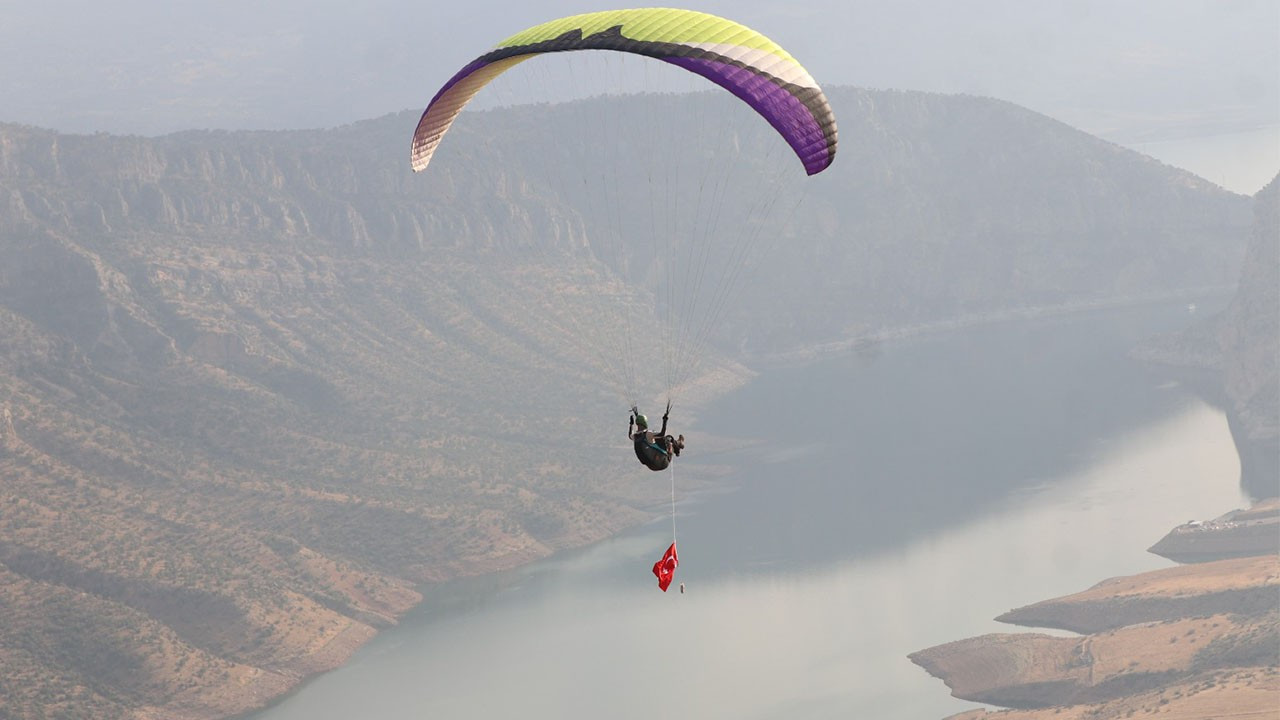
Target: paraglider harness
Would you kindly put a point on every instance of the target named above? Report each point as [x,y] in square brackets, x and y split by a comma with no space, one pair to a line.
[649,451]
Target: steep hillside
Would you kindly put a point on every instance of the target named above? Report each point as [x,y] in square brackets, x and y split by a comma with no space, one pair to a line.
[256,386]
[235,438]
[1250,339]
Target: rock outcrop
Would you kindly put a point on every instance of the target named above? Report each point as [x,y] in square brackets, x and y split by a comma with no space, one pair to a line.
[1235,355]
[1240,533]
[1245,586]
[1250,338]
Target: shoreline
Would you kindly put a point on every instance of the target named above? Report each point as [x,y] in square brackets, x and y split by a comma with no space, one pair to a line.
[870,341]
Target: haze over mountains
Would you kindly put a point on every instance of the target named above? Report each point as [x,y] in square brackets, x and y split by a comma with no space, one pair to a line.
[255,385]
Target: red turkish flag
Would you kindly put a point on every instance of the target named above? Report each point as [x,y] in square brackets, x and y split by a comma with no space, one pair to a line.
[665,568]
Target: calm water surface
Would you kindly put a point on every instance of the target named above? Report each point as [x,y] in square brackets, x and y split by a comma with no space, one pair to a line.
[898,501]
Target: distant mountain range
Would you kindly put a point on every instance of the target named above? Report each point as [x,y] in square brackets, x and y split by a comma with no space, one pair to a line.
[256,385]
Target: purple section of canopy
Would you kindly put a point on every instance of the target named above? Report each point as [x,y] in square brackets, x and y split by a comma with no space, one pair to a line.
[783,110]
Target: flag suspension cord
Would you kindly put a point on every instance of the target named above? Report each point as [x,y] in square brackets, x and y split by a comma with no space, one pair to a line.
[672,468]
[665,568]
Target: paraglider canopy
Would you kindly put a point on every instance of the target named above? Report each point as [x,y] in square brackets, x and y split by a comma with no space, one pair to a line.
[733,56]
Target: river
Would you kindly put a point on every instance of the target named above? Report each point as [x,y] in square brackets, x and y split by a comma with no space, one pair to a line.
[897,500]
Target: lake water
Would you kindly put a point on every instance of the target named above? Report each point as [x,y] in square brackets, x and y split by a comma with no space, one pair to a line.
[902,501]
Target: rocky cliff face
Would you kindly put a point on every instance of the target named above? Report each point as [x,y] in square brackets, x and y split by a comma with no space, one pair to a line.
[1234,355]
[1250,338]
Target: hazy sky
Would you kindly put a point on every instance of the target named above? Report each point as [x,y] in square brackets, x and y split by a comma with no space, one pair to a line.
[1147,73]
